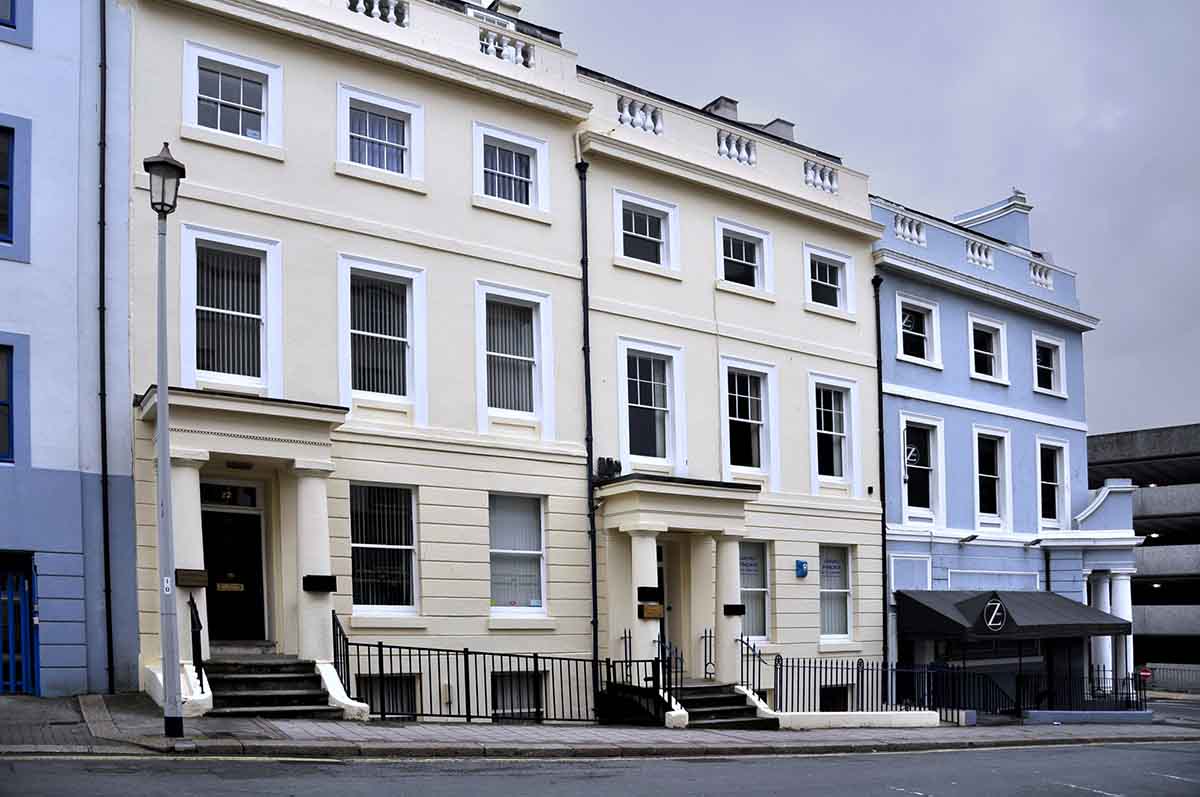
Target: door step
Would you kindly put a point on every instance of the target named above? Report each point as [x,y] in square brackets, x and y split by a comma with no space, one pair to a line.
[324,712]
[257,685]
[224,649]
[722,707]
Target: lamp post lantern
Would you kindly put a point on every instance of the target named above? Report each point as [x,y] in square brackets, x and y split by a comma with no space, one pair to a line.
[165,173]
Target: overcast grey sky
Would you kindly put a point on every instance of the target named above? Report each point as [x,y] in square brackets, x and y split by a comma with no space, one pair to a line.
[1092,108]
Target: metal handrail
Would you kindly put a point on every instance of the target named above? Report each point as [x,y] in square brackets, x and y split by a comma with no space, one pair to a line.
[197,643]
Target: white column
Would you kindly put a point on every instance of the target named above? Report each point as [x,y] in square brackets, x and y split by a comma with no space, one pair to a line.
[729,592]
[189,543]
[700,600]
[312,558]
[643,561]
[1101,645]
[1122,606]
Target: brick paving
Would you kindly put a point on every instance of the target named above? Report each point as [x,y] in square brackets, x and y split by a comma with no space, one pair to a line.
[41,721]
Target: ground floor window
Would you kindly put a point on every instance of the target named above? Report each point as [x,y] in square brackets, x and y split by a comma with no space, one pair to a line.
[516,696]
[392,695]
[835,591]
[755,588]
[382,546]
[516,553]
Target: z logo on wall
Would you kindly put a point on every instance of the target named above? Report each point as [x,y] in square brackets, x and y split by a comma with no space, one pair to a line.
[995,615]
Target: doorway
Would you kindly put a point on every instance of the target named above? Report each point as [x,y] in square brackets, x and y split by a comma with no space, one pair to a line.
[233,557]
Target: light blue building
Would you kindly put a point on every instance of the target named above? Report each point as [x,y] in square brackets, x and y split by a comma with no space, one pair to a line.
[68,623]
[985,440]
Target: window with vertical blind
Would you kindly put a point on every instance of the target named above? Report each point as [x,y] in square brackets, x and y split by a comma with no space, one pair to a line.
[379,345]
[382,546]
[511,356]
[755,588]
[515,527]
[508,171]
[229,311]
[835,591]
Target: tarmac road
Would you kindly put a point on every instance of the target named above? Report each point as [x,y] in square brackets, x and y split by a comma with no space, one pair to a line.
[1109,770]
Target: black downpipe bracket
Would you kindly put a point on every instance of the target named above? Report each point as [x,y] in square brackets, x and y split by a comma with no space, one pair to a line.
[876,281]
[102,364]
[581,167]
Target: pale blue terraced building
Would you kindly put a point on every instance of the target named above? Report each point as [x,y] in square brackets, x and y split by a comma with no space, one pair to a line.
[68,624]
[985,428]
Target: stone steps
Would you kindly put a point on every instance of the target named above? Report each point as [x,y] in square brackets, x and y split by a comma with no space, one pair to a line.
[267,685]
[721,707]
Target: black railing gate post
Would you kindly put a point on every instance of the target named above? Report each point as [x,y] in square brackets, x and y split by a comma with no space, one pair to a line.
[537,688]
[466,668]
[379,684]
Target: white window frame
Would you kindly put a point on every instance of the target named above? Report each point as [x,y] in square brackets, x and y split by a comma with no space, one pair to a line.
[928,560]
[849,635]
[417,399]
[1064,482]
[847,305]
[543,370]
[376,611]
[1000,331]
[271,285]
[852,464]
[414,115]
[272,75]
[539,151]
[950,585]
[766,589]
[670,214]
[935,516]
[765,273]
[520,611]
[933,330]
[1060,369]
[770,445]
[1004,520]
[676,460]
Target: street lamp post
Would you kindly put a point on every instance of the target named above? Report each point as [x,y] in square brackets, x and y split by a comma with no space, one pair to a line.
[165,174]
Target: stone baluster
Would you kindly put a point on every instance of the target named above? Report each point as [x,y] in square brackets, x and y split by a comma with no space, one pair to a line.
[356,5]
[722,144]
[752,151]
[375,9]
[658,121]
[623,116]
[488,43]
[391,12]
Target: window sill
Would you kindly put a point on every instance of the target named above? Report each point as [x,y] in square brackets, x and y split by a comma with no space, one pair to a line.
[370,174]
[740,473]
[904,358]
[516,623]
[1052,393]
[209,383]
[985,378]
[832,312]
[411,621]
[510,208]
[837,645]
[645,465]
[633,264]
[745,290]
[218,139]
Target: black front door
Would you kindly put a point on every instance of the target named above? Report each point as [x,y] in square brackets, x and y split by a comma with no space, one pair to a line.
[233,558]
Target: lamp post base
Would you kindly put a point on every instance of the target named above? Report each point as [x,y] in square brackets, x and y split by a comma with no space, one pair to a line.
[173,727]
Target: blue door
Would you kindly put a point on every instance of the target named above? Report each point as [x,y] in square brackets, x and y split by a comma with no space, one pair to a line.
[19,671]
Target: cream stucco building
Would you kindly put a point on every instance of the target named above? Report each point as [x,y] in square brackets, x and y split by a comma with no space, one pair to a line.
[375,310]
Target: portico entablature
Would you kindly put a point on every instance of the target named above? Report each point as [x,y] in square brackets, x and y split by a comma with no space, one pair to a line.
[647,503]
[247,426]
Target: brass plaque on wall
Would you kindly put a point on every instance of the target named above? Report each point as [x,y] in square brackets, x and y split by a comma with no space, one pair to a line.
[650,611]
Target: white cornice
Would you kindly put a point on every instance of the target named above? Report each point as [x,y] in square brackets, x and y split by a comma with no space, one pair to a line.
[951,227]
[322,31]
[890,258]
[597,143]
[904,391]
[1074,538]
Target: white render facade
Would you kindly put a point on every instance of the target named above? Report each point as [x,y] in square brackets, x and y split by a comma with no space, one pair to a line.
[375,310]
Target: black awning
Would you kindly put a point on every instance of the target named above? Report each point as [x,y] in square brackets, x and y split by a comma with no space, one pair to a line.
[932,614]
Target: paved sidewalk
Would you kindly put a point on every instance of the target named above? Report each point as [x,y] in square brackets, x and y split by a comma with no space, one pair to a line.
[115,723]
[32,724]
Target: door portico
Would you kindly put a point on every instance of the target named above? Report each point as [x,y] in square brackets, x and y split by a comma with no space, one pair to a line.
[700,524]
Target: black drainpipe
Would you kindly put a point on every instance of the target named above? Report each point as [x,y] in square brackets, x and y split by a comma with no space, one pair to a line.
[876,281]
[101,301]
[581,167]
[1046,561]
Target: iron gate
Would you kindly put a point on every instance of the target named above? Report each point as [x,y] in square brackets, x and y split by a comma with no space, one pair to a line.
[19,668]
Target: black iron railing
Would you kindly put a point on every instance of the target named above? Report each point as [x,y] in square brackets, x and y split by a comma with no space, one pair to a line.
[1094,690]
[197,644]
[407,683]
[708,641]
[753,665]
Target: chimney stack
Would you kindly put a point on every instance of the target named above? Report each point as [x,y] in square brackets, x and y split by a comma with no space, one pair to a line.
[505,7]
[724,107]
[781,128]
